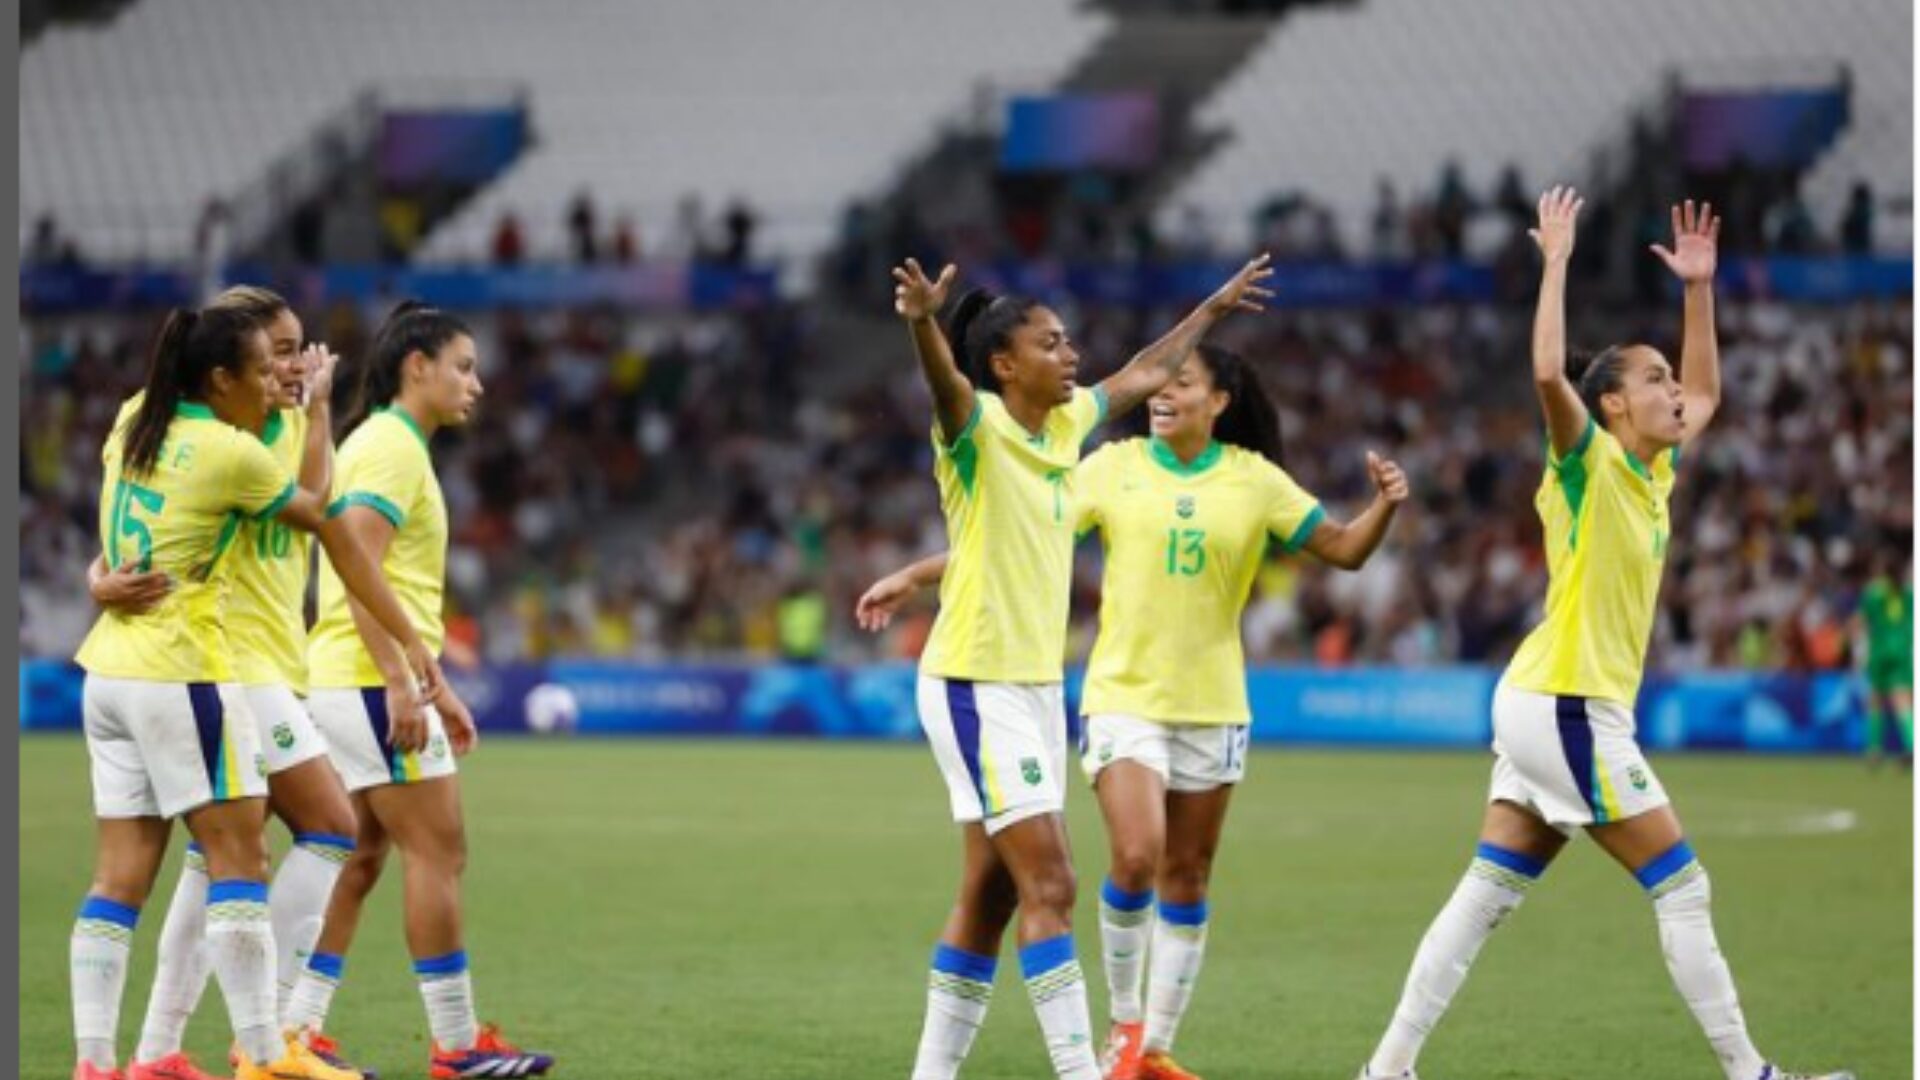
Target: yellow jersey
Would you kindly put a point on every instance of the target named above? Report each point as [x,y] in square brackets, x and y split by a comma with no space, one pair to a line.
[1604,513]
[384,465]
[1008,498]
[266,618]
[182,518]
[1183,543]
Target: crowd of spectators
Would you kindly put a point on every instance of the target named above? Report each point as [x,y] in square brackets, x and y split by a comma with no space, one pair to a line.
[697,487]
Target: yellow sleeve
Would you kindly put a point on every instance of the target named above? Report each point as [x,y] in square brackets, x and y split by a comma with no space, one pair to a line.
[1292,513]
[1092,487]
[388,481]
[259,486]
[1088,409]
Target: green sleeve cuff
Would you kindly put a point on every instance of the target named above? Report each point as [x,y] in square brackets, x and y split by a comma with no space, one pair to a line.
[278,504]
[1100,405]
[368,499]
[1304,531]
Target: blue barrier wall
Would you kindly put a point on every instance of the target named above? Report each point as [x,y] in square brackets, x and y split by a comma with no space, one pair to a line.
[1430,707]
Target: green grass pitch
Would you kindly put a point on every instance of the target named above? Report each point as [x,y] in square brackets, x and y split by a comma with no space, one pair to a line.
[695,909]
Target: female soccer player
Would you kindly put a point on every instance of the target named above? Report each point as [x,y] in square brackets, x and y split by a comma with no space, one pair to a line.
[1563,725]
[1007,434]
[421,375]
[169,732]
[266,626]
[1186,516]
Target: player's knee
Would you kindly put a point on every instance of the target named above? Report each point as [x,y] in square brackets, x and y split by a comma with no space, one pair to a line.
[234,853]
[1134,867]
[1184,878]
[1053,889]
[120,885]
[362,871]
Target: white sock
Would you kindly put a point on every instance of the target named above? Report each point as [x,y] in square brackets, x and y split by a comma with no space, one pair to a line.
[1126,922]
[240,952]
[181,974]
[447,989]
[1494,884]
[313,993]
[1179,945]
[1059,994]
[298,905]
[97,964]
[1682,902]
[959,988]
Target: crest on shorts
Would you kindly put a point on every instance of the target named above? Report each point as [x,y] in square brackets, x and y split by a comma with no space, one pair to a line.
[260,765]
[437,747]
[1030,770]
[1183,505]
[1106,752]
[1638,776]
[283,736]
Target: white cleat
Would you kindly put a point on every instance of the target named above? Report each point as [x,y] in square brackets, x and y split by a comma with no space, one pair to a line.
[1368,1074]
[1772,1072]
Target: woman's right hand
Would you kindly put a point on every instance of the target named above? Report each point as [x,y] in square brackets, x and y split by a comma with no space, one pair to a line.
[129,591]
[876,607]
[406,717]
[426,668]
[916,298]
[1559,212]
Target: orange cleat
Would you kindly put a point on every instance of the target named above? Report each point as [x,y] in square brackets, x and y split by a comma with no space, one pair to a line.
[490,1055]
[1121,1059]
[87,1070]
[1159,1065]
[175,1066]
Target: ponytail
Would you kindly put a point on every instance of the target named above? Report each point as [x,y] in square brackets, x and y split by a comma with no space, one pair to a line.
[413,327]
[163,394]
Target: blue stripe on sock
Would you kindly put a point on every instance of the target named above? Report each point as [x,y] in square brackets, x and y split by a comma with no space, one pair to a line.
[321,839]
[97,907]
[1120,899]
[1525,865]
[221,891]
[1194,914]
[451,964]
[1652,875]
[966,965]
[1043,956]
[194,846]
[327,964]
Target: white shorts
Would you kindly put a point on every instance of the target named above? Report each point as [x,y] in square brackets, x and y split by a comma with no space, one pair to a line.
[287,734]
[354,723]
[161,749]
[1572,760]
[1188,757]
[1002,747]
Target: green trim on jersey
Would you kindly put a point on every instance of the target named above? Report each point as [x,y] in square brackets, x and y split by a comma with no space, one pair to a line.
[275,427]
[406,418]
[1164,457]
[1304,532]
[279,503]
[1571,469]
[193,410]
[371,501]
[964,451]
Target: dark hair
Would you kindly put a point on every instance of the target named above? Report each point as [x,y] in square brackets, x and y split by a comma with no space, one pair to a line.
[1250,421]
[981,325]
[190,346]
[413,327]
[1594,374]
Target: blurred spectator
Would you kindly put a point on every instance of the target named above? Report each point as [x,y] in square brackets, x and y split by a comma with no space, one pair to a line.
[740,221]
[509,246]
[1856,228]
[581,224]
[626,241]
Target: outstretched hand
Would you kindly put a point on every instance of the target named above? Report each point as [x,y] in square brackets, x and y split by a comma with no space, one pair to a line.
[876,607]
[318,385]
[915,297]
[1244,291]
[1696,243]
[1559,213]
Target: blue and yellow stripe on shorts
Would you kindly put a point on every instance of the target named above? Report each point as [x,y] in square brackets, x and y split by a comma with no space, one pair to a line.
[403,766]
[1589,769]
[963,711]
[217,751]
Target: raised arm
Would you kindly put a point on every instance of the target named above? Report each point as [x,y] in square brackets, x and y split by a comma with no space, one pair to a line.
[1156,365]
[316,458]
[1693,259]
[1559,400]
[877,605]
[1349,546]
[918,301]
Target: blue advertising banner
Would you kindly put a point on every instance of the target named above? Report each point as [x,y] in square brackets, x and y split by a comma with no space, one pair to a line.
[1418,707]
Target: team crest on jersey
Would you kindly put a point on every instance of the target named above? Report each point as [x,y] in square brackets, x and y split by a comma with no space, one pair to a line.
[283,736]
[1183,505]
[1030,770]
[1638,777]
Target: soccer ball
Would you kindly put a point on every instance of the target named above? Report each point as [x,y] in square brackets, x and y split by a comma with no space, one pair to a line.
[552,709]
